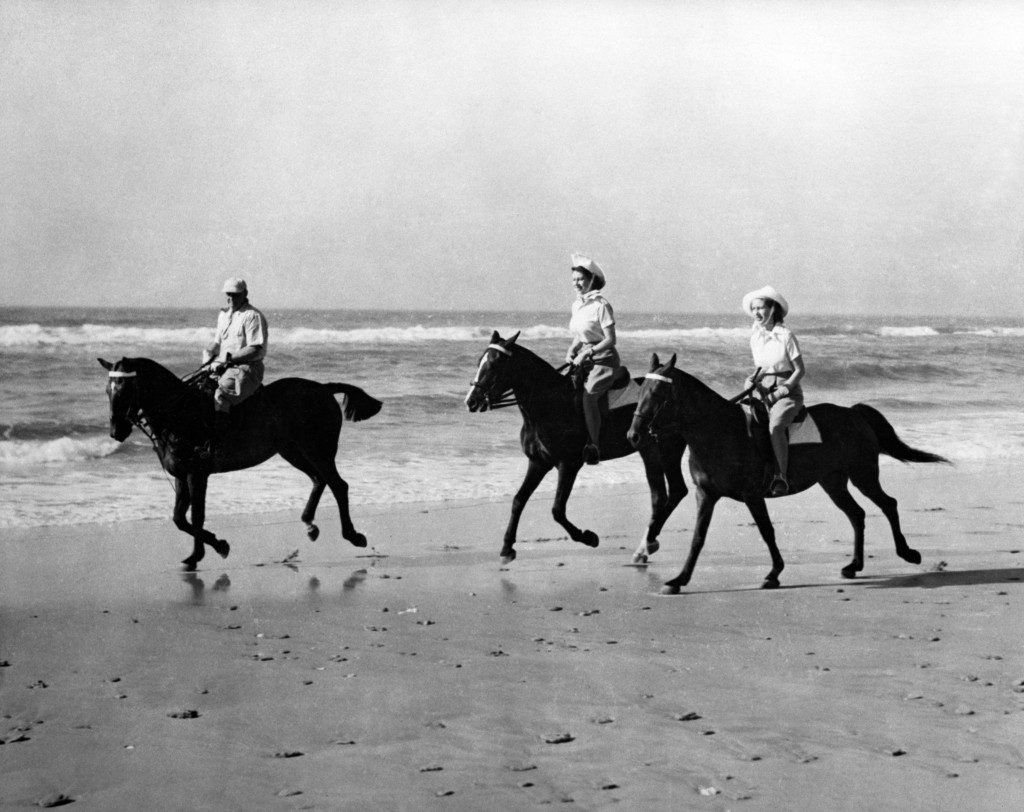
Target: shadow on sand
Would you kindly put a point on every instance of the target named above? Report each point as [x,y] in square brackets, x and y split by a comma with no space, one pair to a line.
[934,580]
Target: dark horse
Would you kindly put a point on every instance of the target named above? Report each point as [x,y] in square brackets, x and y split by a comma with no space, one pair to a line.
[293,417]
[724,462]
[553,435]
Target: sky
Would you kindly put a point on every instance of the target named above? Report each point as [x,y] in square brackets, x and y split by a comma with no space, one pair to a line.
[862,157]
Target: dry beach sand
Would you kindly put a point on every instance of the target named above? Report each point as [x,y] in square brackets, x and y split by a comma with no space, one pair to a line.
[420,674]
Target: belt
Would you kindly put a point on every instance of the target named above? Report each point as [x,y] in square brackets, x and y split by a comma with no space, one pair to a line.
[784,374]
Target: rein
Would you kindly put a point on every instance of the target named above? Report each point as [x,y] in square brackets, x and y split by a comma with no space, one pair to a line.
[141,420]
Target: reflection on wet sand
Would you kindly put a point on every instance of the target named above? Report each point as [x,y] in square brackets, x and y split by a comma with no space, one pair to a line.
[354,580]
[197,585]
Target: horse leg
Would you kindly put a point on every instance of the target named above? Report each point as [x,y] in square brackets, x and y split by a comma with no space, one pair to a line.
[182,499]
[705,508]
[662,502]
[339,487]
[296,459]
[869,485]
[535,472]
[191,491]
[566,479]
[835,485]
[759,511]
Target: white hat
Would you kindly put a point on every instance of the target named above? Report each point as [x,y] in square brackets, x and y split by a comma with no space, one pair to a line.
[587,264]
[767,292]
[234,285]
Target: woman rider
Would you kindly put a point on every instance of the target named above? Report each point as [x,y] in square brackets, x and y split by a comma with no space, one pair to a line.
[777,355]
[593,342]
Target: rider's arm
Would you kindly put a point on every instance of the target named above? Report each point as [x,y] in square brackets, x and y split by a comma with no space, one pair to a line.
[796,359]
[605,343]
[573,349]
[787,385]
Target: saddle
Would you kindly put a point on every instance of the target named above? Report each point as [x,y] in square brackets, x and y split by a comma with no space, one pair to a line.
[802,431]
[624,391]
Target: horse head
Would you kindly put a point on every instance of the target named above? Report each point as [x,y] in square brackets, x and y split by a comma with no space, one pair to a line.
[123,393]
[655,395]
[494,374]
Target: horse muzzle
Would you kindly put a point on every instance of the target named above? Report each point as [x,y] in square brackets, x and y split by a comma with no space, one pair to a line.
[120,431]
[476,402]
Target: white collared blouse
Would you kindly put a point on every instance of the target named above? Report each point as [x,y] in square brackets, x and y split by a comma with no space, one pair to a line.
[591,314]
[774,350]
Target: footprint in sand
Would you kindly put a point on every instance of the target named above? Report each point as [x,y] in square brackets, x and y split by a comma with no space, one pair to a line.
[56,799]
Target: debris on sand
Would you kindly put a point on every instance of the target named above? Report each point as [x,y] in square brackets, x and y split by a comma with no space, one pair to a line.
[56,799]
[184,714]
[559,738]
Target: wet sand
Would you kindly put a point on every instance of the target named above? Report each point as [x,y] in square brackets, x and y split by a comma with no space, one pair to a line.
[421,674]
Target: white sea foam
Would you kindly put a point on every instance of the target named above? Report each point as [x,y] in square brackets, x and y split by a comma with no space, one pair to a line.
[907,332]
[95,335]
[61,450]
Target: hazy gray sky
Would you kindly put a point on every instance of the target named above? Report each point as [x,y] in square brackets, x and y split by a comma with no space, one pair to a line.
[861,156]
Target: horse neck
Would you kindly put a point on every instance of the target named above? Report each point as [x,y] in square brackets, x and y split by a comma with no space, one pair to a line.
[534,380]
[163,397]
[697,403]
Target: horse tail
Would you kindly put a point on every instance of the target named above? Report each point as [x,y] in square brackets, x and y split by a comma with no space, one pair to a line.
[889,443]
[357,405]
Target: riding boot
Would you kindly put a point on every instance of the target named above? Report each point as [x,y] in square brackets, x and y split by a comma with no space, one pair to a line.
[592,415]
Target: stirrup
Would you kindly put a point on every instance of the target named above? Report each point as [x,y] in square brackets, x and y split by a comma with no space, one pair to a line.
[779,486]
[591,454]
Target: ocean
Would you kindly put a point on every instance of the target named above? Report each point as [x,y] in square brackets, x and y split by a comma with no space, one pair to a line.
[949,385]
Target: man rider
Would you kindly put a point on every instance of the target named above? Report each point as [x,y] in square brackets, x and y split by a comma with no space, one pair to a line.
[242,335]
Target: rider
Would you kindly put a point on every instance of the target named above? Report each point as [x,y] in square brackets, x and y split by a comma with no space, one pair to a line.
[593,330]
[242,334]
[781,366]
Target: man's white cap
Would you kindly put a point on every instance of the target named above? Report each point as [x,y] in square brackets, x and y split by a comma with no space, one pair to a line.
[234,285]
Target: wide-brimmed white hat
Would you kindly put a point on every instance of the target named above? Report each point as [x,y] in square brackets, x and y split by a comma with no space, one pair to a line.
[234,285]
[587,264]
[767,292]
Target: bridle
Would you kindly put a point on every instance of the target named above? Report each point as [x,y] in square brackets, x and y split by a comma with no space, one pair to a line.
[505,398]
[646,422]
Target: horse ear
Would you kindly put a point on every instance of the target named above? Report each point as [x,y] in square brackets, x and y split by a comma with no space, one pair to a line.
[655,363]
[495,338]
[672,361]
[512,340]
[105,364]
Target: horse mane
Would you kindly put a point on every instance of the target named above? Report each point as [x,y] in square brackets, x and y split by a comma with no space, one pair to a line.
[158,373]
[537,364]
[700,384]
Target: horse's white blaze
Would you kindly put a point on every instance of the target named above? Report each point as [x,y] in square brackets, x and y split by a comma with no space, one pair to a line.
[655,377]
[117,374]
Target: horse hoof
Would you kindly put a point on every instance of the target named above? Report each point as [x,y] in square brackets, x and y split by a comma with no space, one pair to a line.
[913,556]
[770,583]
[653,546]
[590,538]
[670,589]
[508,556]
[189,565]
[313,532]
[639,558]
[849,571]
[358,540]
[221,547]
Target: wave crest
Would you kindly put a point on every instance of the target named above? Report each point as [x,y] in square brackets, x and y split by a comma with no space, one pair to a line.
[64,449]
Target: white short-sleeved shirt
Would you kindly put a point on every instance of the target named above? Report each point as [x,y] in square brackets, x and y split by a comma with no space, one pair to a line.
[244,327]
[775,349]
[591,314]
